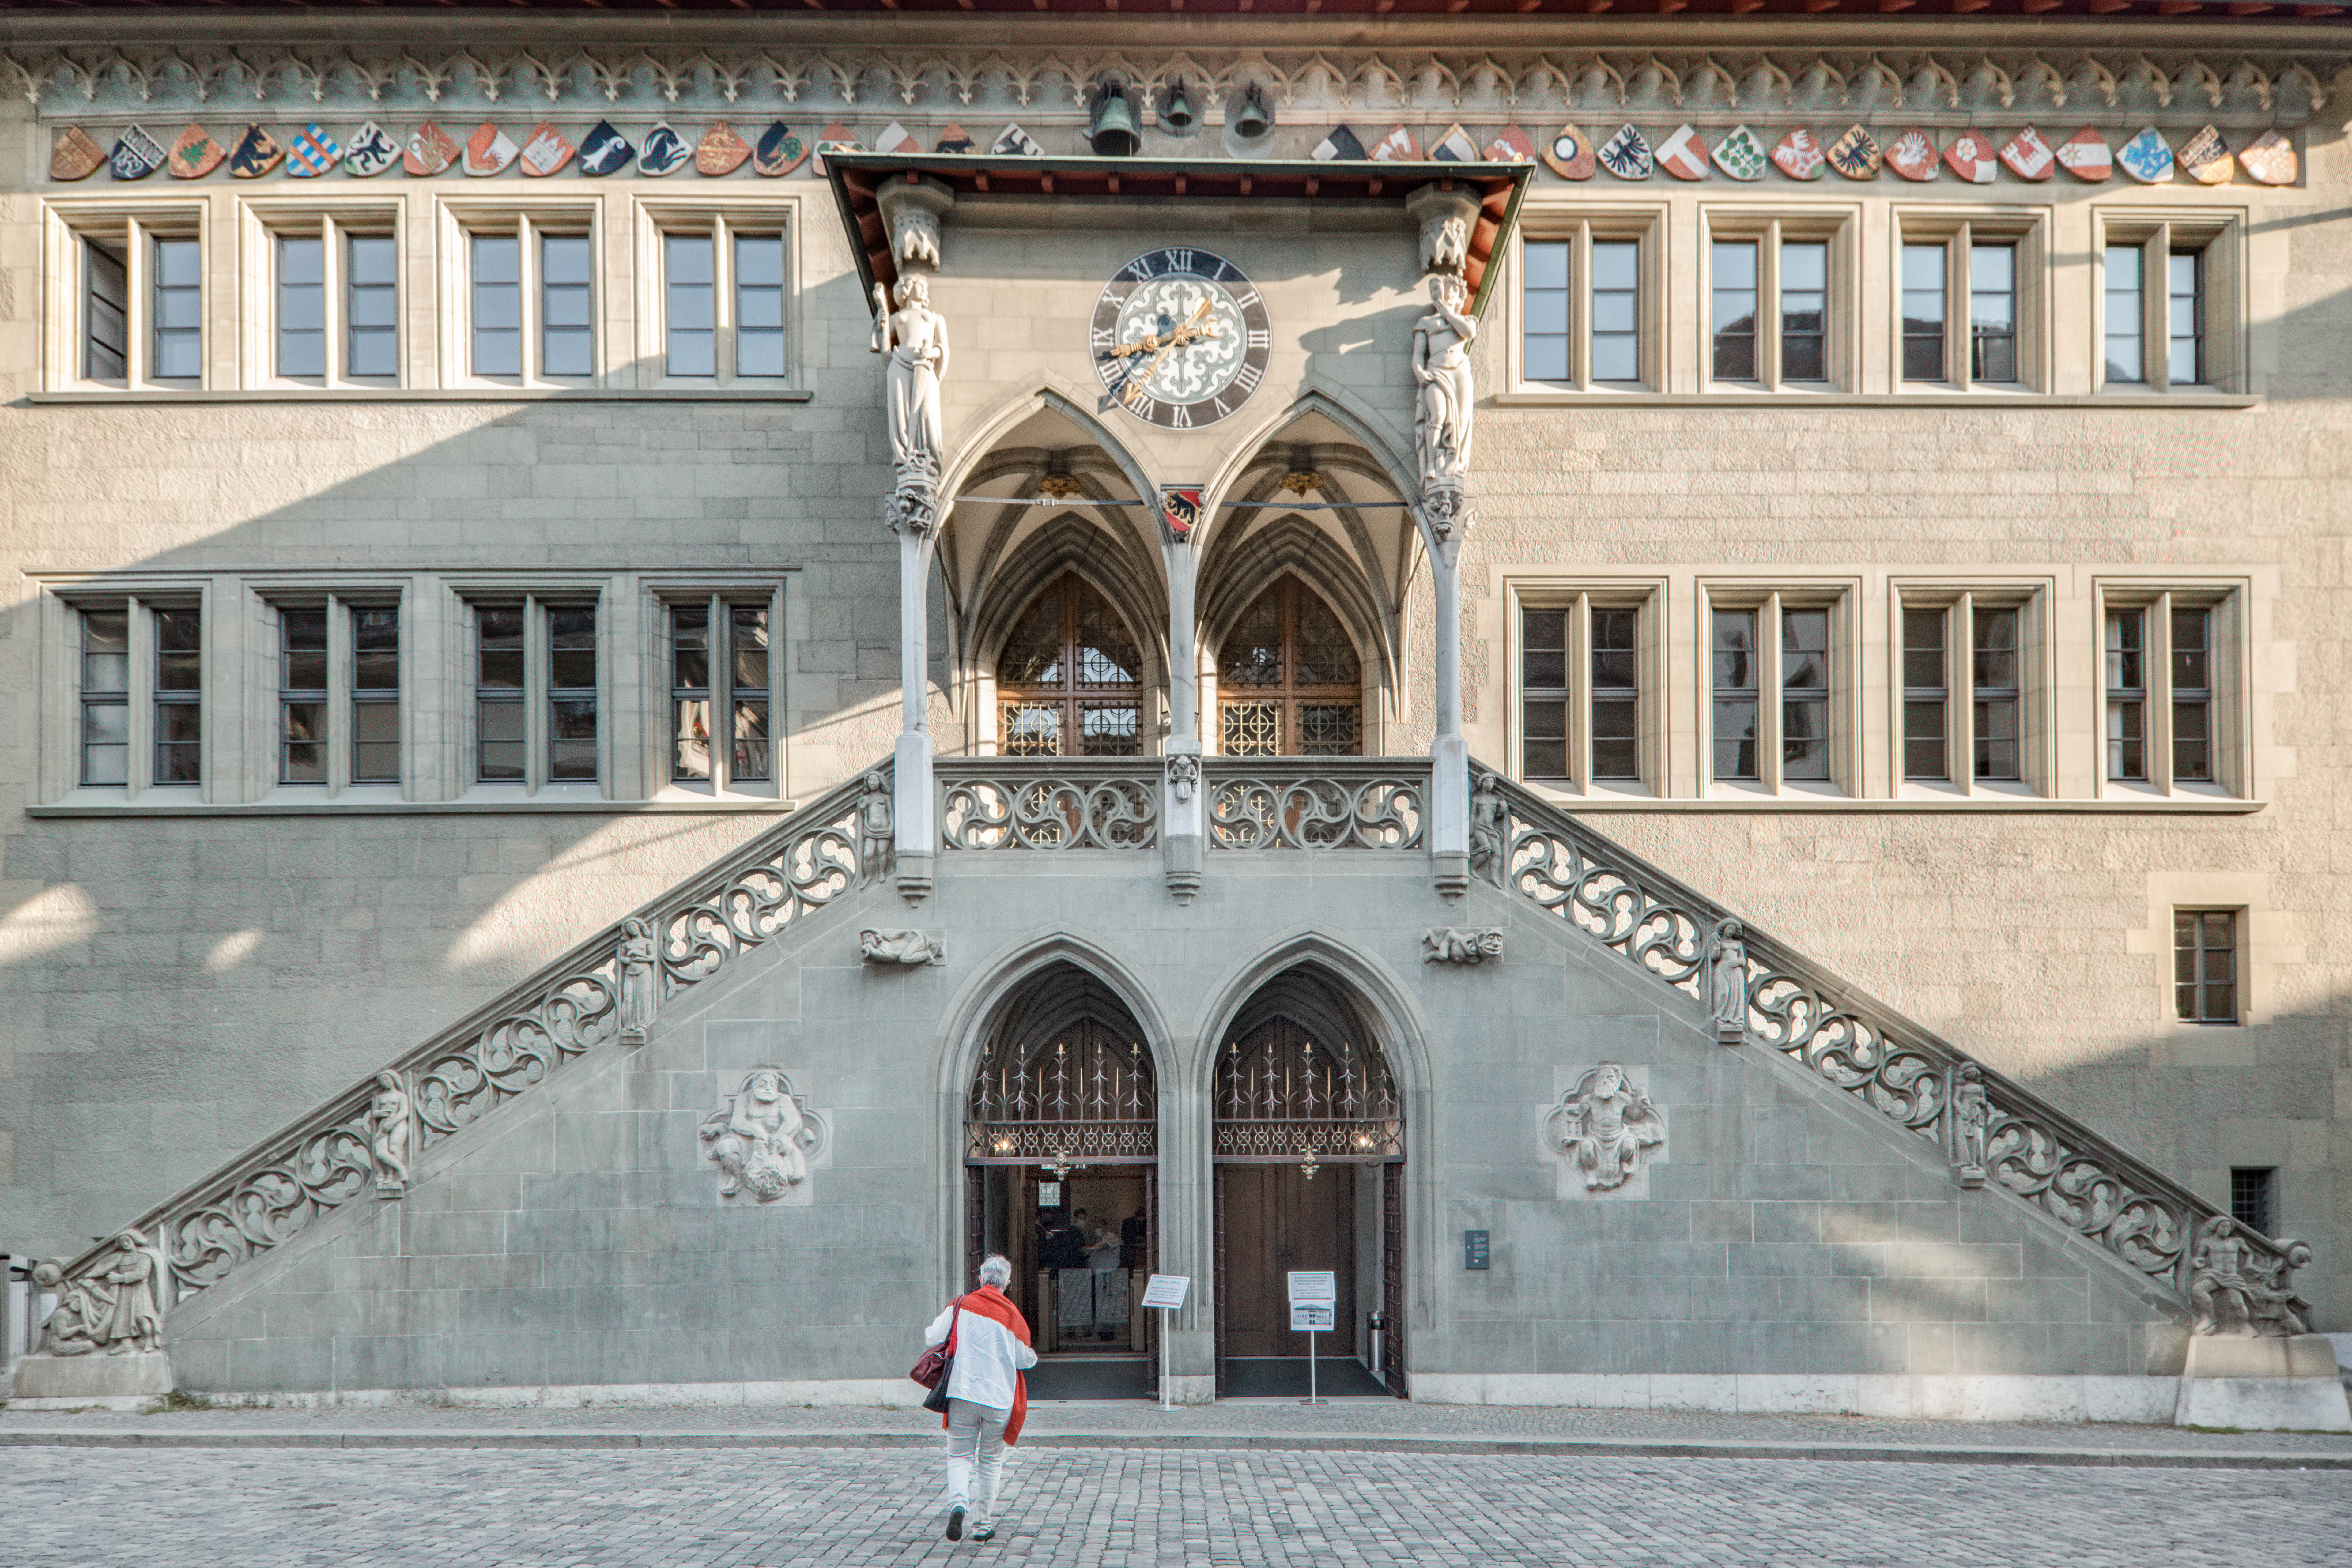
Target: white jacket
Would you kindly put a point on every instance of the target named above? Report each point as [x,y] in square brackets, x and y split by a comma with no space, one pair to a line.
[987,1358]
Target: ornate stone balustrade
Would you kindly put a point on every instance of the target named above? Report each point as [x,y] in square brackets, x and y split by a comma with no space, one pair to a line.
[2225,1278]
[604,991]
[1049,803]
[1317,802]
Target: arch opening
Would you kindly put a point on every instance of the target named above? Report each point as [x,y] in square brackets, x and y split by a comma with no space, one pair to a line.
[1070,677]
[1289,681]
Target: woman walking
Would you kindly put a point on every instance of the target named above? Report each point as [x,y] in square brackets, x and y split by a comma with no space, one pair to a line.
[989,1339]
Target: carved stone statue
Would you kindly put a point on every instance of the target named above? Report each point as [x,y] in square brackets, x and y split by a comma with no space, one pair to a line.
[915,337]
[136,1275]
[1489,830]
[1452,945]
[2239,1291]
[84,1313]
[1442,407]
[639,959]
[763,1139]
[876,829]
[1184,776]
[1606,1128]
[392,1128]
[1971,1124]
[1727,996]
[901,946]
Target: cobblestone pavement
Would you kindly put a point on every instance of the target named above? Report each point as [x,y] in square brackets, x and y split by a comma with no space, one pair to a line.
[869,1508]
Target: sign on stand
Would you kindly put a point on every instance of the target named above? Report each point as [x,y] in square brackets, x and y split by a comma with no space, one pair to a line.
[1314,1309]
[1166,1294]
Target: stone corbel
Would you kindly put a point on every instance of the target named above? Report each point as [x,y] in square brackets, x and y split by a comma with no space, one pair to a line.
[1444,218]
[1457,945]
[908,948]
[913,207]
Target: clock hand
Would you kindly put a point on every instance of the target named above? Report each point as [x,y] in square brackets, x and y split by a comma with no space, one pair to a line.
[1133,385]
[1153,340]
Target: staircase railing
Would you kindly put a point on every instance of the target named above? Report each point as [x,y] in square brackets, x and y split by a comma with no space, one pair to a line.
[607,989]
[2231,1279]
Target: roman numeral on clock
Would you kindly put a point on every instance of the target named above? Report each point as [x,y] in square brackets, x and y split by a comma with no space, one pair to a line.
[1248,377]
[1258,339]
[1105,338]
[1180,416]
[1178,260]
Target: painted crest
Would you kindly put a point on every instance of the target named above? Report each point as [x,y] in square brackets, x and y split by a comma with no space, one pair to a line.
[1855,154]
[663,151]
[1740,155]
[605,150]
[1800,157]
[2207,159]
[429,151]
[1397,147]
[257,153]
[312,152]
[1179,512]
[955,139]
[545,151]
[74,154]
[2086,156]
[779,151]
[1014,142]
[136,155]
[721,152]
[1627,154]
[1683,155]
[1914,155]
[489,151]
[1453,147]
[2269,159]
[1972,158]
[1511,145]
[2146,157]
[1339,145]
[896,138]
[834,137]
[2028,157]
[371,151]
[1569,154]
[196,155]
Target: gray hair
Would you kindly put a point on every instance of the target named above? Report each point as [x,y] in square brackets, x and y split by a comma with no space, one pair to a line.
[996,1270]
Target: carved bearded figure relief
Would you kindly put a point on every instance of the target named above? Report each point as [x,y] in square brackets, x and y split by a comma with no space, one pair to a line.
[763,1140]
[1604,1133]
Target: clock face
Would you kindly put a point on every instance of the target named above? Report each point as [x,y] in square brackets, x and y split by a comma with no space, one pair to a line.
[1181,338]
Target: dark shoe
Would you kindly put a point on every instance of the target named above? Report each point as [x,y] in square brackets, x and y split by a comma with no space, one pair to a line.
[955,1522]
[983,1532]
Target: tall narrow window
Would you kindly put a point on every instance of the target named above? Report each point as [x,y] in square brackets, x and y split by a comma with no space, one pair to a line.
[2185,323]
[2127,636]
[760,306]
[503,724]
[2250,1196]
[1804,693]
[1734,310]
[1994,691]
[1992,312]
[566,335]
[371,306]
[105,313]
[689,695]
[178,294]
[105,697]
[690,311]
[2192,696]
[2125,316]
[747,646]
[1616,310]
[2205,965]
[498,304]
[572,693]
[1544,299]
[179,696]
[1289,679]
[302,696]
[1926,670]
[1923,312]
[1616,694]
[1804,311]
[301,307]
[1736,677]
[1543,696]
[1070,679]
[375,696]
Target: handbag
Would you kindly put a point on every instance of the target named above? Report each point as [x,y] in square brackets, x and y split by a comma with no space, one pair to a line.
[932,1368]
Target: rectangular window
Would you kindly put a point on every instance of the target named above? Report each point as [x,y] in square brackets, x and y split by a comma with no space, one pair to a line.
[1993,689]
[1992,312]
[375,696]
[177,290]
[572,693]
[302,696]
[1737,689]
[2205,965]
[1616,310]
[718,666]
[2126,643]
[760,305]
[1616,694]
[1923,312]
[2192,696]
[566,335]
[1926,670]
[105,314]
[1804,311]
[498,304]
[690,310]
[1733,316]
[301,307]
[371,305]
[689,680]
[2185,318]
[1544,299]
[2250,1196]
[179,696]
[2126,315]
[106,696]
[1579,736]
[1543,698]
[747,641]
[502,730]
[1804,693]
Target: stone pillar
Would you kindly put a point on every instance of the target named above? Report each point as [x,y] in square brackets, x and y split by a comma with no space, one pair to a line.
[914,795]
[1188,1230]
[1181,804]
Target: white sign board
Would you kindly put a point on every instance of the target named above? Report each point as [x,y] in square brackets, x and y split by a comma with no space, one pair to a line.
[1320,1288]
[1313,1317]
[1166,1290]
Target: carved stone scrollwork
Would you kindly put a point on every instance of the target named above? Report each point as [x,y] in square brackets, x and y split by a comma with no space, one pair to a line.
[1606,1133]
[763,1140]
[1452,945]
[1307,813]
[392,1133]
[1050,814]
[909,947]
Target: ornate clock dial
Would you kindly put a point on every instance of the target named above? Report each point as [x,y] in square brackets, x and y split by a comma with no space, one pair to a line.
[1181,338]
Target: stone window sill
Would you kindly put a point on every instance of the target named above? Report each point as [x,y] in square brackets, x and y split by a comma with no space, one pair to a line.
[517,807]
[482,394]
[1797,397]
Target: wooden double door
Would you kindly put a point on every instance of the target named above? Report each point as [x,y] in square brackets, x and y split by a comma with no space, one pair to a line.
[1272,1219]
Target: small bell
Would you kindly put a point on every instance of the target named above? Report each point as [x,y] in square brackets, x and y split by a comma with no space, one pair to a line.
[1178,114]
[1112,128]
[1251,120]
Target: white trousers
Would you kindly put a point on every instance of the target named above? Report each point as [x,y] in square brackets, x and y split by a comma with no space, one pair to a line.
[975,1438]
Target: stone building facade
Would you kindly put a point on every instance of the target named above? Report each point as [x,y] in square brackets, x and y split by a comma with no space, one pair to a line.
[1862,479]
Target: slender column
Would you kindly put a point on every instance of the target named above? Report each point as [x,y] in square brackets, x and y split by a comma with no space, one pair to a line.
[1181,797]
[914,802]
[1449,754]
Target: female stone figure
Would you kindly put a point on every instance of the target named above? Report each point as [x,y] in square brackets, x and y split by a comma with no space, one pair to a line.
[1441,371]
[637,959]
[1727,982]
[916,338]
[390,1123]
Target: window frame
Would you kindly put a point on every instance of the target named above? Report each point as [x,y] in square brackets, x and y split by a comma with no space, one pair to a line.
[2037,766]
[2228,702]
[1960,231]
[528,224]
[142,697]
[1770,602]
[724,222]
[2158,235]
[1576,600]
[2201,915]
[341,695]
[1580,231]
[270,217]
[128,229]
[539,694]
[1771,233]
[718,604]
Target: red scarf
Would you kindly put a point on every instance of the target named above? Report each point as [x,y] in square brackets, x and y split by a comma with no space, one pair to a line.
[990,1302]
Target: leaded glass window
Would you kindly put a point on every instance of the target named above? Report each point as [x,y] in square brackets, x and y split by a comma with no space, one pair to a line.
[1289,682]
[1069,680]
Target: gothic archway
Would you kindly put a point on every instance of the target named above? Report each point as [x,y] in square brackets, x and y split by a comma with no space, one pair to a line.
[1070,677]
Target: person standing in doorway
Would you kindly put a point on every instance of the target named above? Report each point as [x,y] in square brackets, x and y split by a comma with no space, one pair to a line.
[1109,1282]
[987,1397]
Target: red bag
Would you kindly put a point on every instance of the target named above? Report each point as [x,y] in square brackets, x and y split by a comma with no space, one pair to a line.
[931,1370]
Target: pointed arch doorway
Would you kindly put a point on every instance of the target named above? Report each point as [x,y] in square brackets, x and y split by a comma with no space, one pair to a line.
[1061,1171]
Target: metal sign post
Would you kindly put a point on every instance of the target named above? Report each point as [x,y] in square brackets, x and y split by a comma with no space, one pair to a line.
[1166,1294]
[1314,1309]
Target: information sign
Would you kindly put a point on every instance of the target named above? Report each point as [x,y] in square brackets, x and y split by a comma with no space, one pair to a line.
[1321,1286]
[1166,1290]
[1313,1317]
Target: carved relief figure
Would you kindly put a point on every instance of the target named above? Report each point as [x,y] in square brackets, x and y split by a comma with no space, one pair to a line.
[1451,945]
[761,1141]
[84,1312]
[1606,1128]
[639,959]
[914,336]
[1727,982]
[1971,1120]
[901,946]
[915,238]
[1441,371]
[1444,245]
[391,1125]
[876,829]
[138,1321]
[2240,1291]
[1489,825]
[1184,776]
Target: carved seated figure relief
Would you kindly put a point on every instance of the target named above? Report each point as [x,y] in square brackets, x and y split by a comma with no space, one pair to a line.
[763,1140]
[1607,1131]
[2238,1291]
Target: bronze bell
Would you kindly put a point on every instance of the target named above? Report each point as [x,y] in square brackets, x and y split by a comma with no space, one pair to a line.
[1112,128]
[1177,116]
[1251,120]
